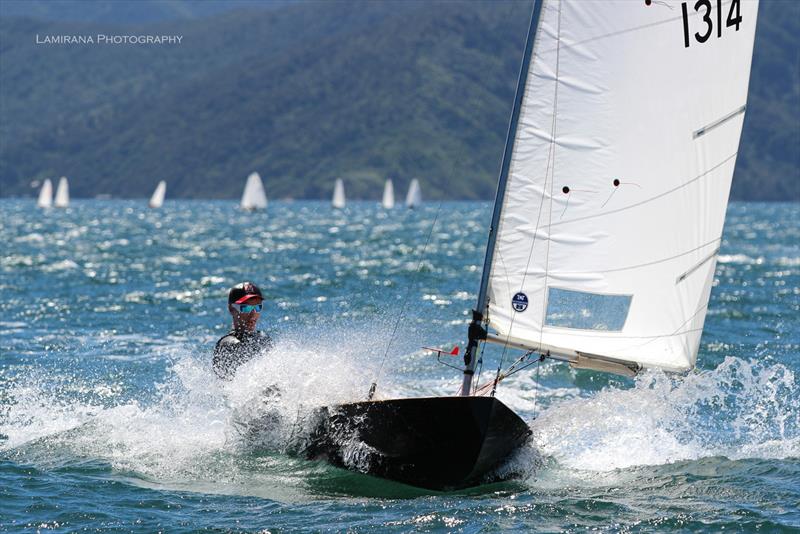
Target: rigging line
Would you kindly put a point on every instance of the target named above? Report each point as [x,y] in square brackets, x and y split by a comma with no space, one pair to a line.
[536,389]
[651,199]
[550,156]
[405,301]
[480,369]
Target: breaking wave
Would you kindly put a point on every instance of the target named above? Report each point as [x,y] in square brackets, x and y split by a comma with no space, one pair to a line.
[739,410]
[196,428]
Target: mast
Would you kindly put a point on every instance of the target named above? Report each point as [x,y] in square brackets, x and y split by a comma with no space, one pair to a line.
[476,330]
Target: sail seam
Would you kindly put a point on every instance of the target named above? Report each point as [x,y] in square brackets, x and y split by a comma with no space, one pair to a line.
[587,334]
[584,333]
[676,332]
[648,264]
[651,199]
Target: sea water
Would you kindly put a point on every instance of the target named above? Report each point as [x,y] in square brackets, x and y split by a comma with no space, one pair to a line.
[111,418]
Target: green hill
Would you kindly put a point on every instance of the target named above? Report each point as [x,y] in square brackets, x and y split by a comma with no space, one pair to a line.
[313,91]
[127,11]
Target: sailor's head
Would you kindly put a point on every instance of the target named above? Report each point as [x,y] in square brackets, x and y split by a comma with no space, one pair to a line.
[245,304]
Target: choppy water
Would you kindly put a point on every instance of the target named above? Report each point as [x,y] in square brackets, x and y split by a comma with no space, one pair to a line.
[110,417]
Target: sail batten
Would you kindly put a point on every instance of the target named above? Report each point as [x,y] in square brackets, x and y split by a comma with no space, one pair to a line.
[618,177]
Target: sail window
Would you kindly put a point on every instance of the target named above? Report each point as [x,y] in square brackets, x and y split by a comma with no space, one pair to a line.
[586,311]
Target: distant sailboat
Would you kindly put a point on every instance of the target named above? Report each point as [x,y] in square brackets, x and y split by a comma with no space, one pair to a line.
[45,194]
[254,197]
[62,193]
[414,196]
[157,200]
[388,195]
[338,201]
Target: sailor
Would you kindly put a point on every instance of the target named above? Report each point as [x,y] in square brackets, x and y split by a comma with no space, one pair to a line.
[243,342]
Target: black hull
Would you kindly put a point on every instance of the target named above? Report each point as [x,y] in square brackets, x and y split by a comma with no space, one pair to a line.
[438,443]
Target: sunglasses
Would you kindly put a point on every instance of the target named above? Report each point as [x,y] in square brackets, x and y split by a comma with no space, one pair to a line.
[247,308]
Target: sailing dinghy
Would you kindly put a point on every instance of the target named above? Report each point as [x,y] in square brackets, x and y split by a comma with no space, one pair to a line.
[338,200]
[414,195]
[45,199]
[606,225]
[62,193]
[387,202]
[157,199]
[254,197]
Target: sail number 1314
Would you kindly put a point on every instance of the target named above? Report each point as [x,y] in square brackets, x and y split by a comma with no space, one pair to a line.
[703,8]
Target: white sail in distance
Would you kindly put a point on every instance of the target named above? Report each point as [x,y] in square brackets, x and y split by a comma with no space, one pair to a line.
[45,194]
[338,200]
[387,202]
[157,199]
[619,177]
[414,195]
[254,197]
[62,193]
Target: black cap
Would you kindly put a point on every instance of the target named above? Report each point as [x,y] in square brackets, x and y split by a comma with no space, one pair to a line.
[243,292]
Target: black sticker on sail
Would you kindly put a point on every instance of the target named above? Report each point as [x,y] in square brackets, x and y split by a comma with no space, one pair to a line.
[520,302]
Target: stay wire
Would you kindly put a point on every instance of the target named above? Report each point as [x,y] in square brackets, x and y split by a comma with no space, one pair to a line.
[401,315]
[536,389]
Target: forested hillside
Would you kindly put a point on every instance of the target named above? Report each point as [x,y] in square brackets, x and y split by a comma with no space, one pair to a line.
[307,92]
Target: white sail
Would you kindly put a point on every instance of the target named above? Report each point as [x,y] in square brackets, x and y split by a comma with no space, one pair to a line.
[45,194]
[619,178]
[157,199]
[254,196]
[388,195]
[338,200]
[62,193]
[414,195]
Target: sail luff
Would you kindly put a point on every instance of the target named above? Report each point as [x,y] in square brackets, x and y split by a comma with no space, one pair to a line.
[481,304]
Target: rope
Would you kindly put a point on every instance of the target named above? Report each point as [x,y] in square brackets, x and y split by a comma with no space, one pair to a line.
[401,315]
[536,389]
[480,369]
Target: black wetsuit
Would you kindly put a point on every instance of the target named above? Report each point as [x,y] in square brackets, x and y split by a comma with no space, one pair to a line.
[236,348]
